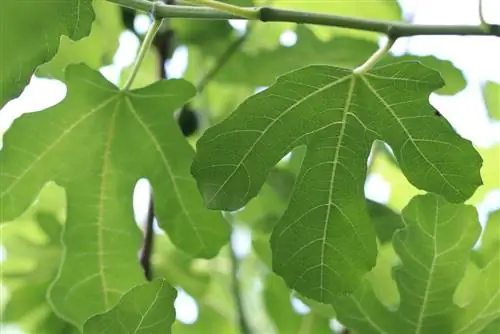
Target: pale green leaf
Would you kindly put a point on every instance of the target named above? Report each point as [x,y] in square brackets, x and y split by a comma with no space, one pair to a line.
[433,248]
[490,241]
[491,93]
[485,306]
[340,51]
[210,321]
[325,243]
[96,144]
[32,242]
[32,30]
[95,50]
[146,309]
[279,307]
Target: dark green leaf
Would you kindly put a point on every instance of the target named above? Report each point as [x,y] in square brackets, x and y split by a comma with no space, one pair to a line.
[324,243]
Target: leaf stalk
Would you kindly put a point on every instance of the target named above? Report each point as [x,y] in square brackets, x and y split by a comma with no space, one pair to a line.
[375,58]
[484,24]
[146,44]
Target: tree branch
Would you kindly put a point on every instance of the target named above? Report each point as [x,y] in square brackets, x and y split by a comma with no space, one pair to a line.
[393,30]
[221,62]
[235,266]
[147,247]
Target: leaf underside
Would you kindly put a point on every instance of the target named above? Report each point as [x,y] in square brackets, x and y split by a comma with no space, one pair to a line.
[434,249]
[96,144]
[324,243]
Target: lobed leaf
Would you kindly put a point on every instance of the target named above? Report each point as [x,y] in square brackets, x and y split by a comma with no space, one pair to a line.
[434,248]
[324,243]
[146,309]
[96,50]
[26,49]
[96,144]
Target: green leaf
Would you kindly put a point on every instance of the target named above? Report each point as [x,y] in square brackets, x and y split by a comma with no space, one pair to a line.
[492,328]
[34,252]
[485,307]
[177,268]
[491,93]
[286,320]
[453,77]
[26,49]
[340,51]
[96,144]
[95,50]
[324,243]
[433,248]
[210,321]
[490,241]
[489,173]
[147,309]
[385,221]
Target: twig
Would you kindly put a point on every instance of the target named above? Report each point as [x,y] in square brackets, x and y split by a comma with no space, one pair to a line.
[222,61]
[148,244]
[248,13]
[235,265]
[392,29]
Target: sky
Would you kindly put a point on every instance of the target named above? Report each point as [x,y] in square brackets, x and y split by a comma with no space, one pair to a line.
[478,57]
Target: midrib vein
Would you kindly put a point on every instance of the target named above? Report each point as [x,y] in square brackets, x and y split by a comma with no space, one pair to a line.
[430,276]
[100,217]
[332,183]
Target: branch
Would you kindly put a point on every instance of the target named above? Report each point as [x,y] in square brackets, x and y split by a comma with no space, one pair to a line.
[222,61]
[268,14]
[147,248]
[235,266]
[248,13]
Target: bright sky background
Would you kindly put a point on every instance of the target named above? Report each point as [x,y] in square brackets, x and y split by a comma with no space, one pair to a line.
[478,57]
